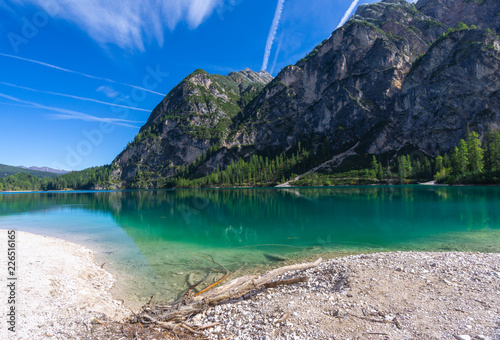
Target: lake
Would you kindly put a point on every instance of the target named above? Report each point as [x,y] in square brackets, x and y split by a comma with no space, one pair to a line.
[160,242]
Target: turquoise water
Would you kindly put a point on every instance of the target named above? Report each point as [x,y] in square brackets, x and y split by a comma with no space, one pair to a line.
[154,240]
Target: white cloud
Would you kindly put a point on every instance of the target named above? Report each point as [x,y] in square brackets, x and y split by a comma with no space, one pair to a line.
[272,33]
[348,13]
[127,23]
[199,10]
[108,91]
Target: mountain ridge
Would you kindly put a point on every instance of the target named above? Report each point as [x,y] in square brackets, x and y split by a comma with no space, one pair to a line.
[9,170]
[44,169]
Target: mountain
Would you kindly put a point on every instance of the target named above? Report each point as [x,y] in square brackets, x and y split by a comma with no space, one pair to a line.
[396,78]
[45,169]
[194,117]
[7,170]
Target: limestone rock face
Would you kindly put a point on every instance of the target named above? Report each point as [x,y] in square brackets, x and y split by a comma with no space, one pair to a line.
[343,89]
[461,73]
[396,76]
[194,116]
[482,13]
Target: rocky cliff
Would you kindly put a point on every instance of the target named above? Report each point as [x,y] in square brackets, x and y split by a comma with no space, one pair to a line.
[194,118]
[396,76]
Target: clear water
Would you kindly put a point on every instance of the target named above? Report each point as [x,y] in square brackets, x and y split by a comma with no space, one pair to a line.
[160,242]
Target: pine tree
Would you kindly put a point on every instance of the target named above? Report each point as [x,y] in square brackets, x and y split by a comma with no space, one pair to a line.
[380,171]
[454,161]
[492,150]
[401,169]
[408,167]
[374,166]
[462,158]
[439,163]
[474,152]
[446,161]
[417,169]
[427,168]
[495,151]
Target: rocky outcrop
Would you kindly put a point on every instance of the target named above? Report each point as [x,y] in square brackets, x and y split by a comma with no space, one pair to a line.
[482,13]
[456,83]
[195,116]
[343,89]
[397,76]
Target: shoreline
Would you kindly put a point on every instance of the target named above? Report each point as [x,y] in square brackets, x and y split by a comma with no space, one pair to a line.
[428,184]
[394,295]
[62,290]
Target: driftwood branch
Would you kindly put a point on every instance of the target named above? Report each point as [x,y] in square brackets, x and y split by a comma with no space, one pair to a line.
[241,286]
[285,282]
[175,316]
[213,284]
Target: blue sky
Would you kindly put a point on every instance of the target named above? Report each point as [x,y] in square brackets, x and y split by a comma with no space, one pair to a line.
[79,78]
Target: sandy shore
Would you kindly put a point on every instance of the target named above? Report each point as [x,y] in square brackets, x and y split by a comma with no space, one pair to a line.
[59,289]
[378,296]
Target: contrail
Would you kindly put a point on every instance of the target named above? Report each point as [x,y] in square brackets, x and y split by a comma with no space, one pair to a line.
[20,105]
[74,97]
[272,33]
[69,114]
[348,13]
[278,49]
[79,73]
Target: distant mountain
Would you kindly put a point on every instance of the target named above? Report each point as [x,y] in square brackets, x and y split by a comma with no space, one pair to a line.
[397,78]
[45,169]
[8,170]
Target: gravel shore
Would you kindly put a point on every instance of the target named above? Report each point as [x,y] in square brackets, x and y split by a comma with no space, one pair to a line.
[60,289]
[402,295]
[399,295]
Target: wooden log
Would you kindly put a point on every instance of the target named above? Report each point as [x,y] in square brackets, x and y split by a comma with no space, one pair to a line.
[173,317]
[286,282]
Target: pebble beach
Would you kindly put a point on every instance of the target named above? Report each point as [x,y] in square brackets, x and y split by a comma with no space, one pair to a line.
[401,295]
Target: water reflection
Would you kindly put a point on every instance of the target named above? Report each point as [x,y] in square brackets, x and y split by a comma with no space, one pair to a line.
[154,234]
[379,216]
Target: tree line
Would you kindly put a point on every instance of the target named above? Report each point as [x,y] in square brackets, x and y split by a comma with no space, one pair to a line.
[472,161]
[88,179]
[256,171]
